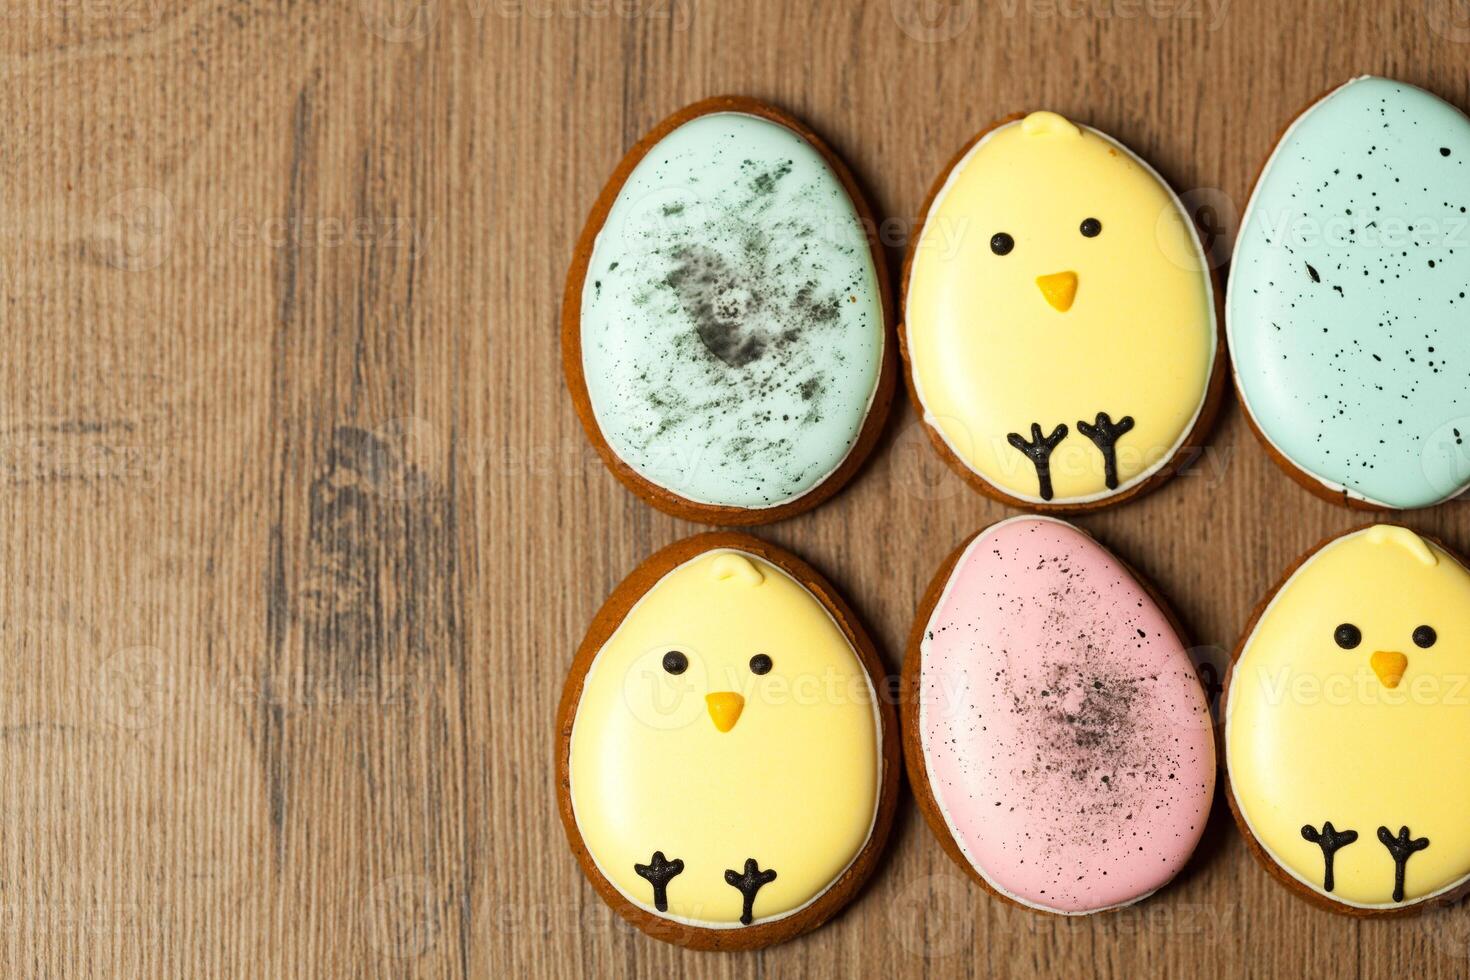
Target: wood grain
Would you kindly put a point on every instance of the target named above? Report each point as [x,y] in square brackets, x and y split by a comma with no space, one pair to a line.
[302,531]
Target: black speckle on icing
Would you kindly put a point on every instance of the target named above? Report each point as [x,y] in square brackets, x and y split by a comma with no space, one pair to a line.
[723,309]
[1085,718]
[1094,743]
[741,290]
[731,311]
[1086,711]
[764,182]
[1365,382]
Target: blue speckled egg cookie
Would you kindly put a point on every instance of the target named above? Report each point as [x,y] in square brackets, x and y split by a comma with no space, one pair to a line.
[1347,315]
[725,328]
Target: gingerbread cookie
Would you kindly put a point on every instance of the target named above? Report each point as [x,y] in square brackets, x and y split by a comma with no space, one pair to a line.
[726,771]
[1346,722]
[1057,737]
[725,324]
[1060,331]
[1347,310]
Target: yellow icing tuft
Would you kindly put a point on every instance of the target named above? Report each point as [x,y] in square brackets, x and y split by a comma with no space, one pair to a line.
[989,354]
[717,765]
[735,568]
[1393,534]
[1048,124]
[1367,737]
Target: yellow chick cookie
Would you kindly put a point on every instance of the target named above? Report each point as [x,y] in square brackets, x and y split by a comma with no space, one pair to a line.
[726,758]
[1347,717]
[1060,329]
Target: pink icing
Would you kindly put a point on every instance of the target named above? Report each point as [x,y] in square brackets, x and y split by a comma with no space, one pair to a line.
[1066,736]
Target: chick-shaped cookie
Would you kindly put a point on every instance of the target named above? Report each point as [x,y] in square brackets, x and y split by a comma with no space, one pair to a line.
[724,750]
[1347,722]
[1059,317]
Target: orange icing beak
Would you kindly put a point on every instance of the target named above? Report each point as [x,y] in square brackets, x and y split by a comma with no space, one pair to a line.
[724,709]
[1059,289]
[1389,665]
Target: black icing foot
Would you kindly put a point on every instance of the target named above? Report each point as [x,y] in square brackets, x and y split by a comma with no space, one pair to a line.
[749,883]
[1104,433]
[1329,839]
[1038,450]
[1400,847]
[659,872]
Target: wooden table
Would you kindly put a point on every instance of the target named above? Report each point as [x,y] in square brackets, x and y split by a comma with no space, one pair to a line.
[302,532]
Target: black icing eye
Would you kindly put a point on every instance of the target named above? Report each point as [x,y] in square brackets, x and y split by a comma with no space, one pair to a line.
[675,662]
[1091,228]
[1001,243]
[1347,636]
[1424,636]
[760,664]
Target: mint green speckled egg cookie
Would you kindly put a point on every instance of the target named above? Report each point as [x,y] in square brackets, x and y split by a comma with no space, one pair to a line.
[1347,315]
[726,334]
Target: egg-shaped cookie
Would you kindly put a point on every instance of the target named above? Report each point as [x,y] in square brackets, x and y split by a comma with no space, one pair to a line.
[725,327]
[1057,737]
[1347,714]
[726,769]
[1059,326]
[1347,313]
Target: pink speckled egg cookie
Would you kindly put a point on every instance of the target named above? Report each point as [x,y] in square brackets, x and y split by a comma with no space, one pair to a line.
[1057,737]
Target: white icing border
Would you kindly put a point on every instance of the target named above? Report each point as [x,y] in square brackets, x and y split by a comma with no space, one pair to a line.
[883,324]
[877,751]
[1214,329]
[1245,218]
[1240,807]
[949,822]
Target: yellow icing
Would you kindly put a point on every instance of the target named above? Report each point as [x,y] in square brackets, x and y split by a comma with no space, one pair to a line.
[724,708]
[1039,123]
[1059,289]
[1315,732]
[717,765]
[1063,326]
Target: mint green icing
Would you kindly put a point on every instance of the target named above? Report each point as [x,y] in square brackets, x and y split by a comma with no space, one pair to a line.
[1347,313]
[732,328]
